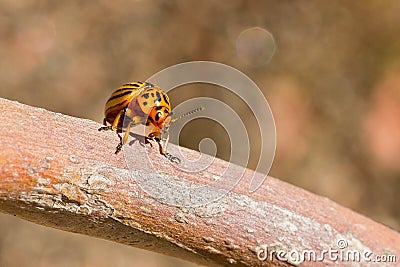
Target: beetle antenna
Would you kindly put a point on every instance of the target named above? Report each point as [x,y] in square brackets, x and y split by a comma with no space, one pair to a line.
[188,113]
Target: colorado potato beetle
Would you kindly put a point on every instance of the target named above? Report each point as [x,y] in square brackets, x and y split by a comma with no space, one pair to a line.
[141,103]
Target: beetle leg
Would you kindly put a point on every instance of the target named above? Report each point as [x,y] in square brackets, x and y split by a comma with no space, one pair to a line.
[154,134]
[120,144]
[117,119]
[172,158]
[162,141]
[105,128]
[114,125]
[122,140]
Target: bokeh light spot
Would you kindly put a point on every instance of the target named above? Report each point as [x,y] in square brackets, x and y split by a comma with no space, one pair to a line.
[255,46]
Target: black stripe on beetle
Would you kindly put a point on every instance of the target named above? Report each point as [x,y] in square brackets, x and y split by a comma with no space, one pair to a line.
[119,95]
[133,84]
[165,99]
[158,96]
[123,89]
[123,103]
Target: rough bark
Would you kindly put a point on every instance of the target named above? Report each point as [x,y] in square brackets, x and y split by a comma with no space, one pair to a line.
[59,171]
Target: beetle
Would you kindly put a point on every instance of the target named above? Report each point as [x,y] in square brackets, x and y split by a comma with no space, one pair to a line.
[141,103]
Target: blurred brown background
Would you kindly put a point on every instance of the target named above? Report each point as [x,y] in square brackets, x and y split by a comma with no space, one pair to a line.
[333,85]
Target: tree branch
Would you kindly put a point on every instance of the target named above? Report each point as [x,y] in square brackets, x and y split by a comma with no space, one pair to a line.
[59,171]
